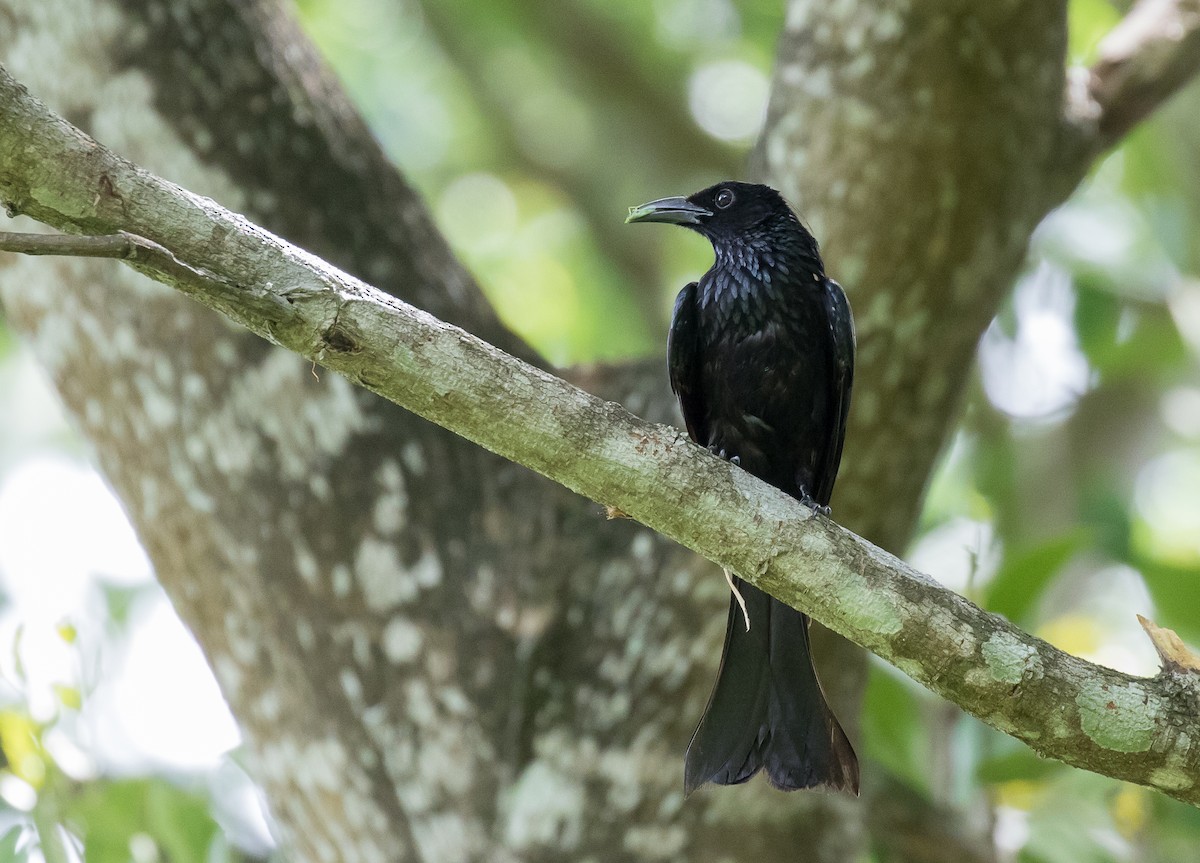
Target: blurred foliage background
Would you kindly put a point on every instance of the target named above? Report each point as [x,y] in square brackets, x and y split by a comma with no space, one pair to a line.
[1068,501]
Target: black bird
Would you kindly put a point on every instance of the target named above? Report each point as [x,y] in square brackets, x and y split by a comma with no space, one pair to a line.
[761,357]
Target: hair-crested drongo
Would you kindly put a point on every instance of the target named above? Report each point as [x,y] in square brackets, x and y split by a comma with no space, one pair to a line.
[761,356]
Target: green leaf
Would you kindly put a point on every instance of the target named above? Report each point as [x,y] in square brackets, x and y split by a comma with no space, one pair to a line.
[68,696]
[21,742]
[1088,22]
[1149,167]
[7,342]
[1097,316]
[106,815]
[1025,574]
[121,599]
[9,843]
[1022,764]
[109,813]
[894,726]
[1174,829]
[1105,511]
[1123,337]
[1071,819]
[18,662]
[181,823]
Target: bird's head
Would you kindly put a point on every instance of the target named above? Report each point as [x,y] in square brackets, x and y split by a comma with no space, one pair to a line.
[728,211]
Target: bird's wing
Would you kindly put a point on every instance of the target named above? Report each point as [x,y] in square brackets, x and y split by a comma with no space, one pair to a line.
[683,362]
[841,378]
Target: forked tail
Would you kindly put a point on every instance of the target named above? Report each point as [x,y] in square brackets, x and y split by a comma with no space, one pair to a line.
[767,711]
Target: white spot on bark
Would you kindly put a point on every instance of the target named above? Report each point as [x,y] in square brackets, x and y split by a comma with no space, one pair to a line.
[326,852]
[546,809]
[158,408]
[389,512]
[305,634]
[448,836]
[380,269]
[268,706]
[242,646]
[203,139]
[381,577]
[655,842]
[482,592]
[229,673]
[862,65]
[642,547]
[306,565]
[455,700]
[93,412]
[351,685]
[226,352]
[887,23]
[151,504]
[342,580]
[427,571]
[376,719]
[879,312]
[420,703]
[414,457]
[401,640]
[818,84]
[360,643]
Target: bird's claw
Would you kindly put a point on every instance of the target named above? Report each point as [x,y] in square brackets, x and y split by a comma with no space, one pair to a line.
[819,509]
[723,454]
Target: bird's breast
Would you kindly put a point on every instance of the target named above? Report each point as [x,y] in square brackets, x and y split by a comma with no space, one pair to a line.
[764,370]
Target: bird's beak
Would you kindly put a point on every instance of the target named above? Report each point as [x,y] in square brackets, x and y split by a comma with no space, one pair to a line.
[677,211]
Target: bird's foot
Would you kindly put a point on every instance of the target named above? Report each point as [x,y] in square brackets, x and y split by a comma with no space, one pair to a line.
[806,499]
[737,594]
[721,453]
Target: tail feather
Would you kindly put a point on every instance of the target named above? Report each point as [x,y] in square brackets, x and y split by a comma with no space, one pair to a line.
[767,711]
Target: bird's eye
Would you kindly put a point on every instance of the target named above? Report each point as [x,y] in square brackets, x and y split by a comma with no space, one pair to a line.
[724,199]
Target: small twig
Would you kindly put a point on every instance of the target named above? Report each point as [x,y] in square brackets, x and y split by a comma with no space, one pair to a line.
[122,245]
[107,246]
[1174,654]
[737,594]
